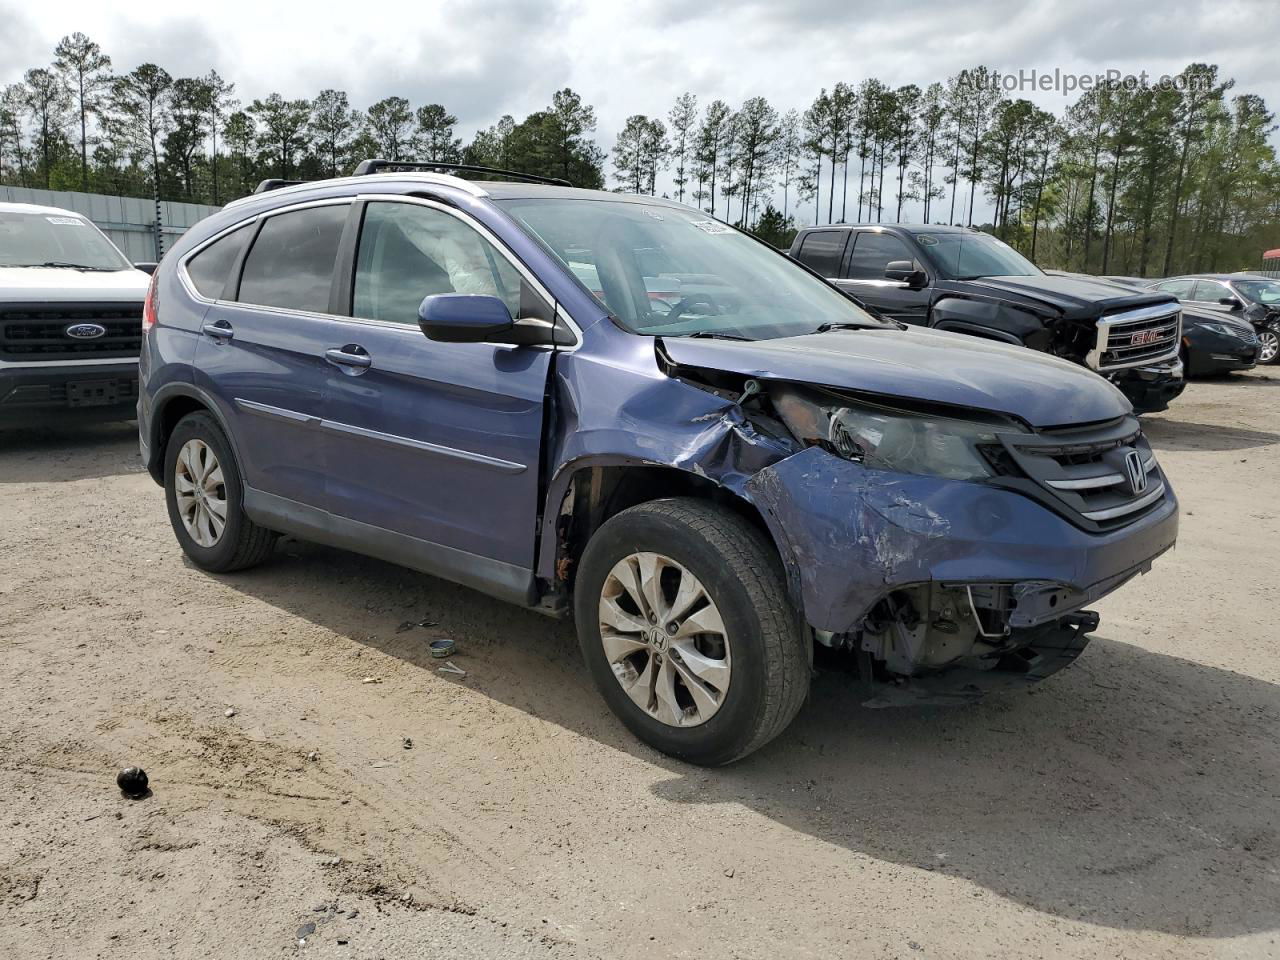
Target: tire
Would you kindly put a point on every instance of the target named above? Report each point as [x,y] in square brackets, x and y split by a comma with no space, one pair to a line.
[1270,345]
[239,543]
[766,663]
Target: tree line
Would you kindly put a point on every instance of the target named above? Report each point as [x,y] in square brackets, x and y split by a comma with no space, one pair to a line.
[1132,179]
[78,125]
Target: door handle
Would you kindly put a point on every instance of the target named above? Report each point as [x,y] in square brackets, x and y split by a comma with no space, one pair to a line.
[352,355]
[219,330]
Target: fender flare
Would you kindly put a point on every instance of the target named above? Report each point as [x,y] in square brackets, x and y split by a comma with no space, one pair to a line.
[1005,321]
[548,543]
[163,397]
[978,330]
[557,489]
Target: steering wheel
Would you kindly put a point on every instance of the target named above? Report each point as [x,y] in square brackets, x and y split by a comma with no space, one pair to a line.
[677,311]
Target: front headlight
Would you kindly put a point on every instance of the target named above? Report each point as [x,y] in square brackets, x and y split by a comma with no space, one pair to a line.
[1227,330]
[913,443]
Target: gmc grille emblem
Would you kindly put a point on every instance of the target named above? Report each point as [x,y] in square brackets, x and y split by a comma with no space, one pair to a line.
[85,331]
[1136,472]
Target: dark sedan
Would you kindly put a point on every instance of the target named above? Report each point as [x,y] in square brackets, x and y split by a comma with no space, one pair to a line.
[1242,297]
[1213,344]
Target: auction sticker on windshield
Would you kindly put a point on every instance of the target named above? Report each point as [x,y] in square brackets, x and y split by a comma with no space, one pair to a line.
[711,226]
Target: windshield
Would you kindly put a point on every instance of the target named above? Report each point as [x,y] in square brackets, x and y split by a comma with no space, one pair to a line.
[968,256]
[1259,291]
[672,271]
[56,240]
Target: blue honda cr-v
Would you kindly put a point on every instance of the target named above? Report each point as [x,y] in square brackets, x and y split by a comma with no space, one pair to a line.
[619,407]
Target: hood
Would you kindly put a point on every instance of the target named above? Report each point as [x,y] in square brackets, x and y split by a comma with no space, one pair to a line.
[62,284]
[1074,296]
[920,364]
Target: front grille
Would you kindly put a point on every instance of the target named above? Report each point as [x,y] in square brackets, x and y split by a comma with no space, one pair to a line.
[1103,477]
[1131,338]
[38,331]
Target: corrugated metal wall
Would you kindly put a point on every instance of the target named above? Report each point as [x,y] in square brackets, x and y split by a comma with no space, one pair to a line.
[130,222]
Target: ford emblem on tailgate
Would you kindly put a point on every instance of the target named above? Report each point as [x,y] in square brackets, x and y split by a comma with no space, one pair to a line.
[85,331]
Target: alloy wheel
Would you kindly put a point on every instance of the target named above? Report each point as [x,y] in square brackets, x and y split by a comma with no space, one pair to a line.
[1268,345]
[201,493]
[665,640]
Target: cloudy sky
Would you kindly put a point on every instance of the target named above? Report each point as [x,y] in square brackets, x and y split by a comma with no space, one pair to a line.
[484,58]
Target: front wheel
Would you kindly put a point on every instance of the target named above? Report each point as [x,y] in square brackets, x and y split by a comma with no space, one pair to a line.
[684,621]
[1268,345]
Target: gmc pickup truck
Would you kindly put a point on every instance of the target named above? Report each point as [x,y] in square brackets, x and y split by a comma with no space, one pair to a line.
[955,278]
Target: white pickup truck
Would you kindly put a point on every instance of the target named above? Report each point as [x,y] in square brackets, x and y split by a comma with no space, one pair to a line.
[70,319]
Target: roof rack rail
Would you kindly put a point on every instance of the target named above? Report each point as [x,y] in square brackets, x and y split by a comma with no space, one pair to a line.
[378,165]
[276,184]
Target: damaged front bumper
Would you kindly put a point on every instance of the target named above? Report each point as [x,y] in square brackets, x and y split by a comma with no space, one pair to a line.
[1151,388]
[923,576]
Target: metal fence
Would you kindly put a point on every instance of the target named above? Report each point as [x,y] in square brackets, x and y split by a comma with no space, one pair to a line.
[130,222]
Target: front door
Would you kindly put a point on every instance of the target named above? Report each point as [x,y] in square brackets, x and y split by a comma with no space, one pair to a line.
[867,256]
[437,442]
[1211,293]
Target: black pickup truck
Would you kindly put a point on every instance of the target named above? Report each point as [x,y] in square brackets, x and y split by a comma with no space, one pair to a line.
[954,278]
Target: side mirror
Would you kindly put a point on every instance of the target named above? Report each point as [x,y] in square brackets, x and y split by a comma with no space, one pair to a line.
[1231,302]
[904,271]
[464,318]
[146,266]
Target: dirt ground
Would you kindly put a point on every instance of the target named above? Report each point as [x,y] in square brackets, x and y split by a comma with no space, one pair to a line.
[1127,807]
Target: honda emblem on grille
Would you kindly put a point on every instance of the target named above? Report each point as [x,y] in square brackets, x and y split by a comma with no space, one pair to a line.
[85,331]
[1136,471]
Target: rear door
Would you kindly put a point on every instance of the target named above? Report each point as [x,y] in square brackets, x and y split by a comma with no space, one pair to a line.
[261,353]
[437,442]
[862,274]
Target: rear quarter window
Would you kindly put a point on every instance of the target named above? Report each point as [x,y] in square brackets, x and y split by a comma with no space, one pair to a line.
[210,269]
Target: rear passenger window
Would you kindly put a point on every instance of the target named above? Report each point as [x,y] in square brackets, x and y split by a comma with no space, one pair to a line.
[872,253]
[820,251]
[291,262]
[1179,288]
[210,268]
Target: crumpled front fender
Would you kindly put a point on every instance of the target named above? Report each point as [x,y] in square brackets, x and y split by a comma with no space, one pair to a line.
[854,534]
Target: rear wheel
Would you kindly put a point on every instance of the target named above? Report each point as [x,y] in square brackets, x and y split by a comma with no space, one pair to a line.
[685,623]
[205,497]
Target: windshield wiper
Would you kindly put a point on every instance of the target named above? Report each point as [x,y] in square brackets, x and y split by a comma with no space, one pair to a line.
[710,335]
[854,325]
[67,265]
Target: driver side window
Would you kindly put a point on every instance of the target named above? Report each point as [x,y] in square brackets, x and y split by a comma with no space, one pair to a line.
[1210,291]
[408,252]
[871,253]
